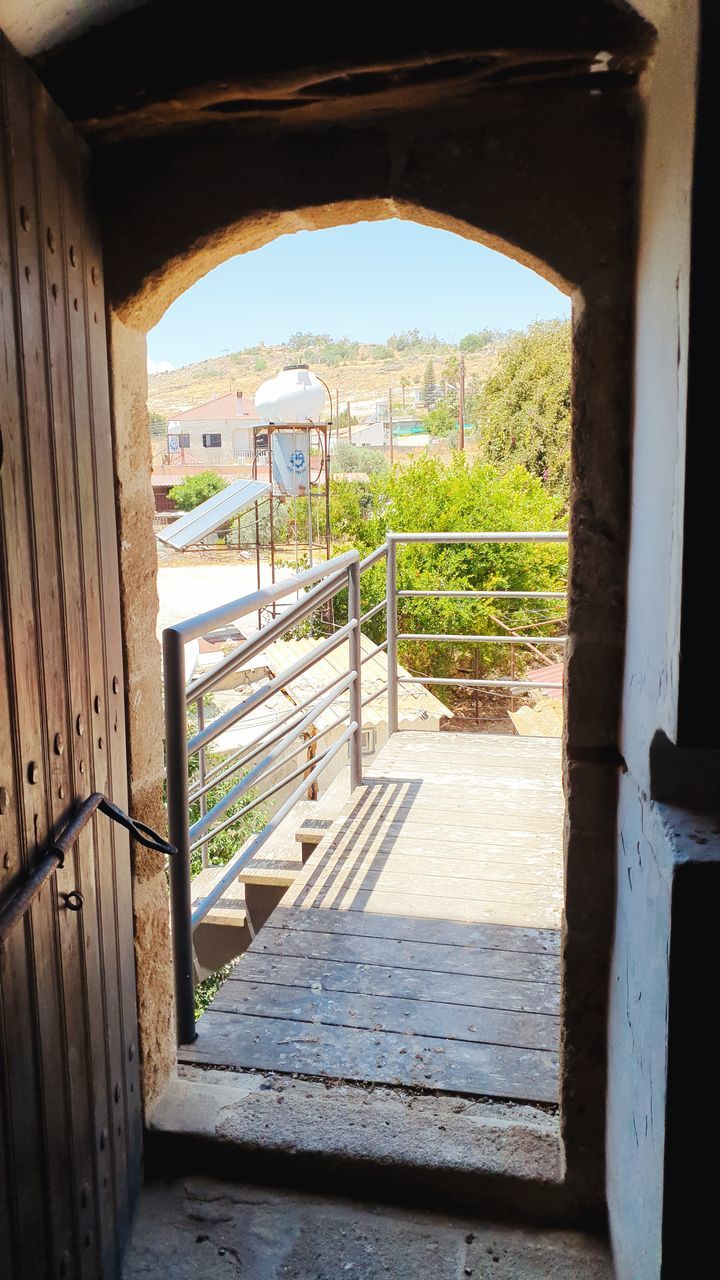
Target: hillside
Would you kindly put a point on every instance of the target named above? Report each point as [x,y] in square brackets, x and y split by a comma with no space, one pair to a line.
[359,372]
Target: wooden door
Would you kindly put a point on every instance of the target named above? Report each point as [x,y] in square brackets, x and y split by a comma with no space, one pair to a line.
[70,1127]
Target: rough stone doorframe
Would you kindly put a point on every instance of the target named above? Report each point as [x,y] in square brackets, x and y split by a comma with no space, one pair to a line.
[551,184]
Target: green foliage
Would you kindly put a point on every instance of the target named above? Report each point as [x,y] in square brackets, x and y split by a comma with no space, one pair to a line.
[298,341]
[196,489]
[206,990]
[476,341]
[443,419]
[459,496]
[407,341]
[349,457]
[335,353]
[158,425]
[524,407]
[260,365]
[220,848]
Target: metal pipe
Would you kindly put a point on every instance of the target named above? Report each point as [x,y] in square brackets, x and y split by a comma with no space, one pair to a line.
[478,537]
[480,684]
[355,665]
[232,869]
[177,805]
[255,774]
[391,632]
[28,891]
[371,698]
[232,763]
[371,612]
[379,648]
[266,795]
[202,794]
[490,595]
[295,612]
[426,635]
[202,623]
[256,699]
[374,556]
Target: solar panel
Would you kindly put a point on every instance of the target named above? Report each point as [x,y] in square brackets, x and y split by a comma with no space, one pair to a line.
[213,514]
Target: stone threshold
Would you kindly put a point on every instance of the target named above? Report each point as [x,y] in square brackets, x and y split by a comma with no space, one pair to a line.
[384,1143]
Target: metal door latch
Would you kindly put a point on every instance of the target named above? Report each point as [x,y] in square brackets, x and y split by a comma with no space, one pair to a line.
[23,898]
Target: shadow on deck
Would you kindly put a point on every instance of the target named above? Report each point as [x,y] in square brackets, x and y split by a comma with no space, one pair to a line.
[419,947]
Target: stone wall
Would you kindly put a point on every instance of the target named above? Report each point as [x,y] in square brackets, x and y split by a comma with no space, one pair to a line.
[139,604]
[552,186]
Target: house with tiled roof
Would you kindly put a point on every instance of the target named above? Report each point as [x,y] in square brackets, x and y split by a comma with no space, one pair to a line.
[216,432]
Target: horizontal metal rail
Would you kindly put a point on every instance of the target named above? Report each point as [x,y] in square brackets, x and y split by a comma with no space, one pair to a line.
[487,595]
[238,862]
[468,538]
[459,639]
[267,635]
[266,795]
[224,722]
[203,623]
[262,768]
[481,684]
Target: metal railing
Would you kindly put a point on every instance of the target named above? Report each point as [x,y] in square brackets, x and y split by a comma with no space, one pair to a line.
[250,767]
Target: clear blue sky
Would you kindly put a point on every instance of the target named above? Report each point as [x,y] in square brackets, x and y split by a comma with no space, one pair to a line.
[364,282]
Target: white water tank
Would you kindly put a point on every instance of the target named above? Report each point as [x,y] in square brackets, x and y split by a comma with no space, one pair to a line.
[293,395]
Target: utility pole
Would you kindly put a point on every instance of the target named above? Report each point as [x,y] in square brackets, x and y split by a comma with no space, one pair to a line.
[337,415]
[349,421]
[461,403]
[390,423]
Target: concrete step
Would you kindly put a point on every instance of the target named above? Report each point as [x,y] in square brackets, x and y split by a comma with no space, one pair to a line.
[384,1142]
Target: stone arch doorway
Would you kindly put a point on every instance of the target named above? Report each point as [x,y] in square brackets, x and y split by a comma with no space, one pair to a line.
[547,181]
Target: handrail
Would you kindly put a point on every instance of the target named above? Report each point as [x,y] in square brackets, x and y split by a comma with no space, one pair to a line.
[202,623]
[254,765]
[314,588]
[54,859]
[395,540]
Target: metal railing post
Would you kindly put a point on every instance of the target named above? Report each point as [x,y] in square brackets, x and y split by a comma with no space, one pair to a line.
[355,664]
[177,803]
[392,644]
[200,704]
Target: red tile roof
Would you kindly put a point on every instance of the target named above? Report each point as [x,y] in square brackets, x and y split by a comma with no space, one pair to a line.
[222,408]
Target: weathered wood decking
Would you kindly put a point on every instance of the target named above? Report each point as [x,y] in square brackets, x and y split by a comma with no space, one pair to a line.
[419,946]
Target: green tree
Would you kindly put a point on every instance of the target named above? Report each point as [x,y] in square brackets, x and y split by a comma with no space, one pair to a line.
[476,341]
[459,496]
[443,419]
[196,489]
[524,407]
[349,457]
[429,394]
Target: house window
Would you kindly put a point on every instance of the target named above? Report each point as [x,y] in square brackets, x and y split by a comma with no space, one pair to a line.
[184,440]
[213,440]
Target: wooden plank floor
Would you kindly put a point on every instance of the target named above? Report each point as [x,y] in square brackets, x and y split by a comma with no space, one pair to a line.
[420,944]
